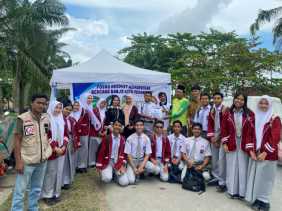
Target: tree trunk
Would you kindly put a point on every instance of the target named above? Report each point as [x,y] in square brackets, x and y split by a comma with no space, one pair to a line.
[1,100]
[19,95]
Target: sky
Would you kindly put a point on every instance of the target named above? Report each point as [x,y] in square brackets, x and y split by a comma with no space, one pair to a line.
[106,24]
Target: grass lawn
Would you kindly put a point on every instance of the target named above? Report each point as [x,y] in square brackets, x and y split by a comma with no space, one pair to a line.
[86,194]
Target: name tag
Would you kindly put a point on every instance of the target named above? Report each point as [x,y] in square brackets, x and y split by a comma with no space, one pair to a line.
[29,130]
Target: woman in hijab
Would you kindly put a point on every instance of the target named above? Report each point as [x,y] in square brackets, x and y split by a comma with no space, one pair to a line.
[96,134]
[263,165]
[78,114]
[238,136]
[52,184]
[114,112]
[82,117]
[70,127]
[130,115]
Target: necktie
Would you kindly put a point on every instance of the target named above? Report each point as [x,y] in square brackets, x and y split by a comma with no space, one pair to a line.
[116,149]
[192,152]
[174,146]
[217,121]
[139,148]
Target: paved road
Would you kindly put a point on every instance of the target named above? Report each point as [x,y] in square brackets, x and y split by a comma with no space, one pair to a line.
[152,195]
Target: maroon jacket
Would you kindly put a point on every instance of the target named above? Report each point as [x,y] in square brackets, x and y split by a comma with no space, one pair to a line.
[271,138]
[55,143]
[105,151]
[248,137]
[166,151]
[93,131]
[73,132]
[224,114]
[83,124]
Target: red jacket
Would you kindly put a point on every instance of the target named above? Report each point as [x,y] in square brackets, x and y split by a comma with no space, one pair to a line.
[93,131]
[224,114]
[248,137]
[105,151]
[83,124]
[55,143]
[271,138]
[166,151]
[72,132]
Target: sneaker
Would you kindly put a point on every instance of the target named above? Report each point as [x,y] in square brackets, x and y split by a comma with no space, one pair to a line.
[221,188]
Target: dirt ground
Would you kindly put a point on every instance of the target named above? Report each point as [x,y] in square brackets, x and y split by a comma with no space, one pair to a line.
[86,194]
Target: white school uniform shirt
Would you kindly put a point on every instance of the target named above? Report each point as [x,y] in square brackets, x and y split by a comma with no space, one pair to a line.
[159,149]
[132,143]
[176,143]
[148,109]
[202,148]
[202,116]
[115,147]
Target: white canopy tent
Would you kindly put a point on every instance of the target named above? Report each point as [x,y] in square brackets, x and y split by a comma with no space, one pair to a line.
[105,68]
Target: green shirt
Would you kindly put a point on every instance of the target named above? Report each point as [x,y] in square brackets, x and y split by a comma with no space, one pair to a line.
[179,110]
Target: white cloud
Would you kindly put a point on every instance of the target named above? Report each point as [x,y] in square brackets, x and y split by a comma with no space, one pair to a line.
[226,15]
[82,42]
[131,4]
[239,15]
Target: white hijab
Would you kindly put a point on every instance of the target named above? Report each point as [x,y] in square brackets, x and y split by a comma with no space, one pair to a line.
[76,114]
[102,111]
[88,107]
[57,123]
[262,118]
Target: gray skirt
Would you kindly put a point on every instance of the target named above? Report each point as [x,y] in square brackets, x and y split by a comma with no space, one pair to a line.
[261,176]
[82,155]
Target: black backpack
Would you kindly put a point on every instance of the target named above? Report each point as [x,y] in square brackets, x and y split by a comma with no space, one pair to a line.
[194,181]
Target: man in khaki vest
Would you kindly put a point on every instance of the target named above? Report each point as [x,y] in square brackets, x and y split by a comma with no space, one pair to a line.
[32,149]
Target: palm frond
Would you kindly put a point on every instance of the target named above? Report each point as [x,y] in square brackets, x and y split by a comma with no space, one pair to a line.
[263,17]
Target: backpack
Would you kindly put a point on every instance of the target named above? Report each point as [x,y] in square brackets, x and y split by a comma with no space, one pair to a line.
[194,181]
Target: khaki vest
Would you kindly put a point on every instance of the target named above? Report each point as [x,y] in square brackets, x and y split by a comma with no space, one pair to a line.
[35,147]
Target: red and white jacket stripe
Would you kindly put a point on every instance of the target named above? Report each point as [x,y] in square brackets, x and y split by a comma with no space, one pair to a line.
[55,143]
[83,124]
[73,132]
[166,150]
[224,114]
[105,151]
[228,132]
[271,138]
[93,132]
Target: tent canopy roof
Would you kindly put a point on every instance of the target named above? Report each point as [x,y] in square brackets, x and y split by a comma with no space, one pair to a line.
[106,68]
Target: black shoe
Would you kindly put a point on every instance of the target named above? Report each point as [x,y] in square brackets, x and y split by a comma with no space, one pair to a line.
[79,171]
[66,187]
[213,182]
[84,170]
[57,199]
[49,201]
[264,206]
[92,166]
[256,205]
[235,196]
[221,188]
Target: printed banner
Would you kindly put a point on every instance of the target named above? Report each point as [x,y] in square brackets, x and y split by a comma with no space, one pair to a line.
[107,89]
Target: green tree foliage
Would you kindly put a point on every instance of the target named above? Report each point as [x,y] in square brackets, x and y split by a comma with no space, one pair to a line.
[215,60]
[29,39]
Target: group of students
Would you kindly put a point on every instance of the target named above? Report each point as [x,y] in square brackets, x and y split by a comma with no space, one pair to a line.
[125,144]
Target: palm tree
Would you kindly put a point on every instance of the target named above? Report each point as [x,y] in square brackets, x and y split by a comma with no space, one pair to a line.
[268,16]
[26,34]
